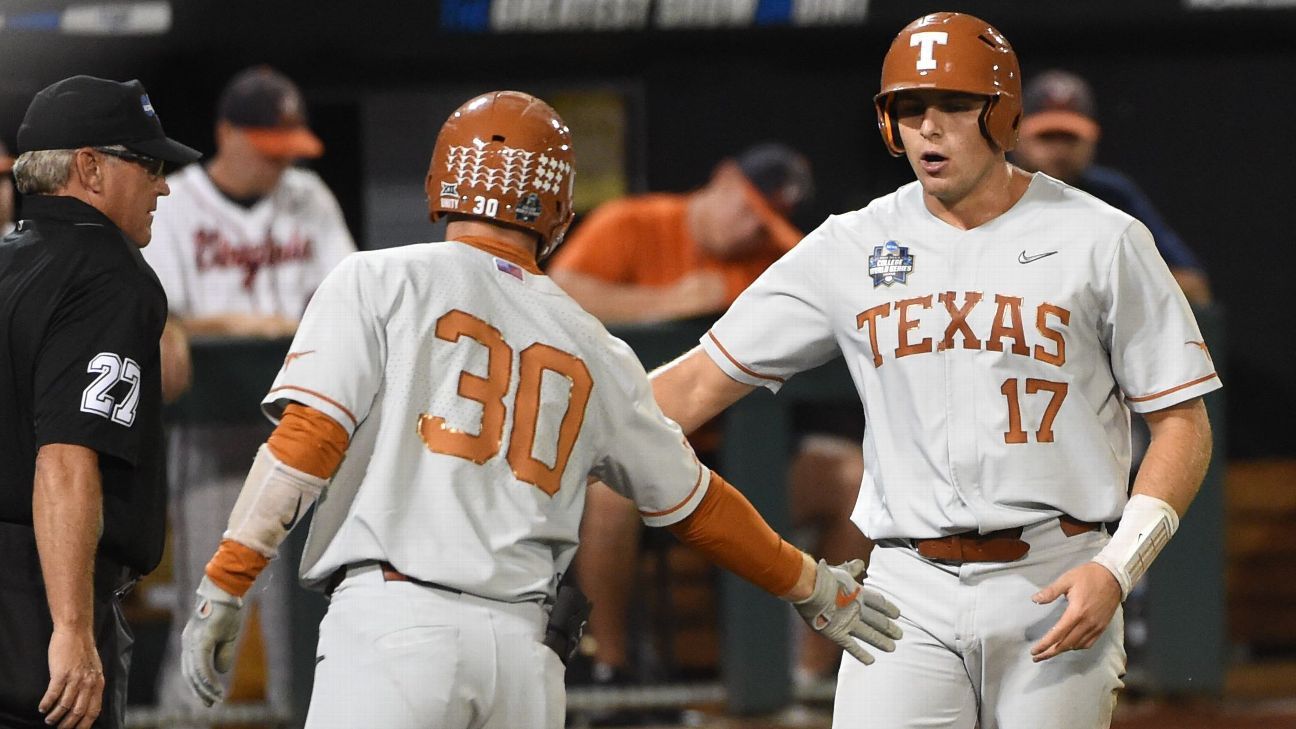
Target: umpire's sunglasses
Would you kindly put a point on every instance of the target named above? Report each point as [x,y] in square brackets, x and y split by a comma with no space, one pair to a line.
[154,167]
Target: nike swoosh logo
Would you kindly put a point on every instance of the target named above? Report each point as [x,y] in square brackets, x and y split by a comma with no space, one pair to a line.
[296,513]
[1023,258]
[844,599]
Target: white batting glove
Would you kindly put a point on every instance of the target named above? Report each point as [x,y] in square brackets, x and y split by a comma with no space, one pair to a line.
[207,644]
[842,610]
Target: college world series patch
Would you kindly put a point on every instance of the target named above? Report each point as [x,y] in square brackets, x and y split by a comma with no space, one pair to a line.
[890,263]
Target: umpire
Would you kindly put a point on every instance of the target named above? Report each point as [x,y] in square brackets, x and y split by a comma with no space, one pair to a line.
[82,496]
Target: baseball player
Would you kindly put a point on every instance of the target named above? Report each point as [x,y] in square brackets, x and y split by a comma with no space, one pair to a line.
[458,400]
[240,245]
[999,327]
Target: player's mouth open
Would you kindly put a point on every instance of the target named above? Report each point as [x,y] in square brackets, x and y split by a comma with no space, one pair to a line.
[932,162]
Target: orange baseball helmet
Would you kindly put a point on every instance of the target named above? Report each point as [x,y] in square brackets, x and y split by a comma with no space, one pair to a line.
[505,157]
[953,52]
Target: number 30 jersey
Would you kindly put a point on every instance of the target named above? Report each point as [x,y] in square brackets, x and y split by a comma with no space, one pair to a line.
[479,397]
[997,366]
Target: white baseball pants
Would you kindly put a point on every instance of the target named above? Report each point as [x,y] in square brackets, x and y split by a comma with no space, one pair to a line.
[399,655]
[965,656]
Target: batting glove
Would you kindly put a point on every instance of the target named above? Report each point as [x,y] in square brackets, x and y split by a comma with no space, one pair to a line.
[207,644]
[841,610]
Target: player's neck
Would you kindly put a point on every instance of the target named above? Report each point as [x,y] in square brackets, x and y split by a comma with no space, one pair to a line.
[241,180]
[994,195]
[524,242]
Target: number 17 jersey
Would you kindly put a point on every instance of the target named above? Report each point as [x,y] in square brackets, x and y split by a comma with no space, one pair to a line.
[997,366]
[478,397]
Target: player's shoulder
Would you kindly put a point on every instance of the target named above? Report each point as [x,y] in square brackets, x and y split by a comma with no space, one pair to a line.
[847,228]
[1060,199]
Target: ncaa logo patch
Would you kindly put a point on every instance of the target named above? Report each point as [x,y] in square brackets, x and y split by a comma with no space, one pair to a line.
[890,263]
[528,208]
[147,105]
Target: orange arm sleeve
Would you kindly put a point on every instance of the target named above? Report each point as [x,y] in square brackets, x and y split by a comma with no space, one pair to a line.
[305,439]
[726,529]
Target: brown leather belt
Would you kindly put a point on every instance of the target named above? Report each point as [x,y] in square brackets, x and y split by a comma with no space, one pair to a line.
[1004,545]
[389,573]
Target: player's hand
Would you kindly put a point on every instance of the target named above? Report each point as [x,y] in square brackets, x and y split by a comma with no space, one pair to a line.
[75,693]
[842,610]
[1092,595]
[207,644]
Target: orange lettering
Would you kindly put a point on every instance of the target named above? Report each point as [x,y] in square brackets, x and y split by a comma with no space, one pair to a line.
[1054,358]
[534,361]
[958,320]
[489,391]
[1010,305]
[904,325]
[870,317]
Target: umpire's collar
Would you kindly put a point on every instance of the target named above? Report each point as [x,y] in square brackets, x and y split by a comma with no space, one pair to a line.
[63,209]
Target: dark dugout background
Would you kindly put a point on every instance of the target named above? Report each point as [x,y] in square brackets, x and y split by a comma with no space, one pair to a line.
[1197,100]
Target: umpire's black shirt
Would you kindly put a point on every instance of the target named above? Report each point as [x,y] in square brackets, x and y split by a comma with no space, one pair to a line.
[80,318]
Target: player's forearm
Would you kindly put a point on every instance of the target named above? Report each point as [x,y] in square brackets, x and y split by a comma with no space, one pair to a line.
[692,390]
[67,515]
[1177,456]
[287,475]
[726,529]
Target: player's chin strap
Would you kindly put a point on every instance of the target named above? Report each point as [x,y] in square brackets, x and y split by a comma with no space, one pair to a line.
[274,497]
[1145,528]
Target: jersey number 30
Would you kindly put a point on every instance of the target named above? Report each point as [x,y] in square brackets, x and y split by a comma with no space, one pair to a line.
[491,390]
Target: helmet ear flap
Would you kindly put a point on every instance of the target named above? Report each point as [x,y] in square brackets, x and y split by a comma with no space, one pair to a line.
[887,125]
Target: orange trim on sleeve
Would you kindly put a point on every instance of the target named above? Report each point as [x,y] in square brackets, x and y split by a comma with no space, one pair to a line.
[1163,393]
[726,529]
[235,567]
[309,441]
[681,504]
[740,365]
[322,396]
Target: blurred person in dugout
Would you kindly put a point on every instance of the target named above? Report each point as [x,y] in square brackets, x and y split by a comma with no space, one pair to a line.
[667,256]
[6,192]
[1059,137]
[240,246]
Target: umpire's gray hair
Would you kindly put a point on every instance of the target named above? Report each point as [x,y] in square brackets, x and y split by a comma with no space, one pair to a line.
[42,171]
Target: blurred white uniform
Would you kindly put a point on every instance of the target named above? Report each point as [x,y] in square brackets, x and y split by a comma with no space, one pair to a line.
[997,368]
[478,397]
[215,256]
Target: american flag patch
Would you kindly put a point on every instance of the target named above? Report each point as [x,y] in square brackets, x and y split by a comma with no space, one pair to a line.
[511,269]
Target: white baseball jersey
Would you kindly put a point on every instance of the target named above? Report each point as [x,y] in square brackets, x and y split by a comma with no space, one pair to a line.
[215,256]
[478,397]
[997,366]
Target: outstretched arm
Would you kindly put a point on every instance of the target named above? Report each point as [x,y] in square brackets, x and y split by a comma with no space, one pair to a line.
[692,389]
[726,529]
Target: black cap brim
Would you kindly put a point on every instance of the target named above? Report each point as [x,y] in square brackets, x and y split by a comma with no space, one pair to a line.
[166,149]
